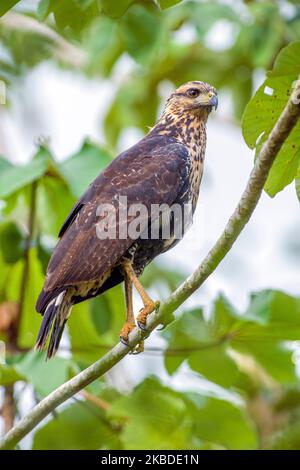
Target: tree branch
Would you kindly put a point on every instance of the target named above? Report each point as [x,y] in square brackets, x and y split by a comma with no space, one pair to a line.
[236,223]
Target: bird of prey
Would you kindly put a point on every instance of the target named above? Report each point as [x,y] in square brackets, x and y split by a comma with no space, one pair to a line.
[163,168]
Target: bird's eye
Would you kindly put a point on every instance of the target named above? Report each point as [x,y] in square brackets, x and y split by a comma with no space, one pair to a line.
[193,92]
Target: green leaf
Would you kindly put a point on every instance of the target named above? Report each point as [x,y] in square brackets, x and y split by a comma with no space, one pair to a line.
[263,111]
[13,178]
[274,357]
[9,374]
[6,5]
[163,4]
[141,31]
[55,201]
[82,168]
[222,422]
[44,376]
[167,419]
[74,15]
[272,318]
[100,321]
[104,46]
[43,9]
[194,339]
[159,414]
[277,312]
[11,242]
[216,365]
[80,426]
[85,341]
[115,9]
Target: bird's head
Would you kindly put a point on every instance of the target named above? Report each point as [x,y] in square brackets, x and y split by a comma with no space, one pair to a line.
[194,97]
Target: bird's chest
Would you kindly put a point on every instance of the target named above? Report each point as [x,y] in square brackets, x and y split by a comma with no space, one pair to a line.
[196,146]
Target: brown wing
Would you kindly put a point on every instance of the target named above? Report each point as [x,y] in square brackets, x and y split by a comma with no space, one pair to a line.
[151,172]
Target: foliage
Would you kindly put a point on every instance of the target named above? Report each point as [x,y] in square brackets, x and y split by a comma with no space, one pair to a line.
[247,359]
[263,111]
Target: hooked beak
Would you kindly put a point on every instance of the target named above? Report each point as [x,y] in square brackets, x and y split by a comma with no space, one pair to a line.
[213,102]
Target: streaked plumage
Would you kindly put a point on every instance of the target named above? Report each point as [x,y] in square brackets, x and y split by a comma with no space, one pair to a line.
[164,167]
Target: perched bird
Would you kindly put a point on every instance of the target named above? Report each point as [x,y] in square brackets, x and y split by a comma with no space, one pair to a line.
[164,168]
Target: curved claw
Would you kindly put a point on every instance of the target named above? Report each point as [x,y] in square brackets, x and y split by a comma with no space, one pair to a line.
[142,326]
[124,341]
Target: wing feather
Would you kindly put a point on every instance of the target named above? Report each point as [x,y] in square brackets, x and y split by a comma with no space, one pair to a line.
[151,172]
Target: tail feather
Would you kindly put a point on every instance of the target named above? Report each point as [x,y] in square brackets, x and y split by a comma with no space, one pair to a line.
[55,317]
[56,335]
[46,325]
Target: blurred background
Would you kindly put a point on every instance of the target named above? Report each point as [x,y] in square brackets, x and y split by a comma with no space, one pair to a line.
[82,80]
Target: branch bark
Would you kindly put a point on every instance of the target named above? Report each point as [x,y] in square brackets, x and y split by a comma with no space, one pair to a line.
[235,225]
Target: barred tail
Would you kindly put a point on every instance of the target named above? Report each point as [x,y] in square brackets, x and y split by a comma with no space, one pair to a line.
[55,317]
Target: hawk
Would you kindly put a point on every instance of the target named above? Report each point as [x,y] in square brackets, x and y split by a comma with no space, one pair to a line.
[164,168]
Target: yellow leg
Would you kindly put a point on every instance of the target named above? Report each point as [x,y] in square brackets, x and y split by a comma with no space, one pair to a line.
[130,321]
[149,304]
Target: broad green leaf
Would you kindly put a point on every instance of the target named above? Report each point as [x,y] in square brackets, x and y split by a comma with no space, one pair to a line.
[110,303]
[100,321]
[285,63]
[158,413]
[115,9]
[104,46]
[80,426]
[43,9]
[224,318]
[275,358]
[163,4]
[263,111]
[271,318]
[55,200]
[141,31]
[9,374]
[15,177]
[128,109]
[167,419]
[85,341]
[6,5]
[82,168]
[222,422]
[11,242]
[74,15]
[194,339]
[215,364]
[44,375]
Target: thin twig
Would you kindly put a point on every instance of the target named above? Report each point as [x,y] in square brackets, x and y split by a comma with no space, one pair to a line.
[236,223]
[99,402]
